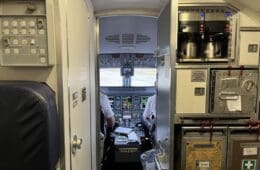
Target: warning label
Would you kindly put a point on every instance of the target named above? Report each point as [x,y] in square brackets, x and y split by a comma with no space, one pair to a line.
[203,165]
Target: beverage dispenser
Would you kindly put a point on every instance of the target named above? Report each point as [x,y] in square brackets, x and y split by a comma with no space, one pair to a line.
[206,34]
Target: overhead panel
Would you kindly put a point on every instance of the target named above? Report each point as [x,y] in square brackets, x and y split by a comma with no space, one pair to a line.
[155,5]
[127,34]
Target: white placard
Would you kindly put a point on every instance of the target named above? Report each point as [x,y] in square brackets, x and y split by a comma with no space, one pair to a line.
[249,151]
[234,105]
[204,164]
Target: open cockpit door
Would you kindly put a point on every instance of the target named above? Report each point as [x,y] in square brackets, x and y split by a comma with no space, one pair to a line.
[77,38]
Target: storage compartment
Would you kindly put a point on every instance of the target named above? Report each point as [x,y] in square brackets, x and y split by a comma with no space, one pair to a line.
[249,48]
[243,149]
[203,149]
[233,91]
[191,90]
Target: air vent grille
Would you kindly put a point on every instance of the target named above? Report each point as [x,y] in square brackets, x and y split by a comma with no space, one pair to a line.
[142,38]
[128,38]
[113,38]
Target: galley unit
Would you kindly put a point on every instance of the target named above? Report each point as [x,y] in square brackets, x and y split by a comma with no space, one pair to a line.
[216,88]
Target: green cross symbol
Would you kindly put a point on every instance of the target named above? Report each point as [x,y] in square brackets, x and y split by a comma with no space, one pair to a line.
[248,164]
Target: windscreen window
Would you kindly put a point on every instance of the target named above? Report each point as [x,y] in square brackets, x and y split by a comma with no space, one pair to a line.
[142,77]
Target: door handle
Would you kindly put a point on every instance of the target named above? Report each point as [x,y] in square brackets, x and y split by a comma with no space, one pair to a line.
[228,96]
[76,144]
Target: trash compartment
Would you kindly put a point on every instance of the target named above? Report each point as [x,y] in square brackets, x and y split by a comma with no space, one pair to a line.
[203,148]
[233,91]
[243,149]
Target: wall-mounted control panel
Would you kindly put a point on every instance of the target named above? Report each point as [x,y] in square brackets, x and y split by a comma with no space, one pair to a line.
[24,33]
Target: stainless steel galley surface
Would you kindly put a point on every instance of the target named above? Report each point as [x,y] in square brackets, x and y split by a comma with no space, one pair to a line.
[164,79]
[234,91]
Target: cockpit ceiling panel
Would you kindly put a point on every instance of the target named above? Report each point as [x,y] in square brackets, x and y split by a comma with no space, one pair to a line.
[126,4]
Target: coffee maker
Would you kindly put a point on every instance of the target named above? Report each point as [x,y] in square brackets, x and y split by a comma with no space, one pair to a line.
[205,34]
[189,35]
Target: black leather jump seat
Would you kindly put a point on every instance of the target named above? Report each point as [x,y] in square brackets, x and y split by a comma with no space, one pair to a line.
[29,128]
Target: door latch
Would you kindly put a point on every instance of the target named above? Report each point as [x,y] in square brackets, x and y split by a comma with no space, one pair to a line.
[76,144]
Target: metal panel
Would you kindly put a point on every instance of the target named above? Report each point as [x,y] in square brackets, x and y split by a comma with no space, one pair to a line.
[164,29]
[234,91]
[203,148]
[163,107]
[243,149]
[165,87]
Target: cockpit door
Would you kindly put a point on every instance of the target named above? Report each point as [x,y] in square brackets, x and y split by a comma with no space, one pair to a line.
[78,46]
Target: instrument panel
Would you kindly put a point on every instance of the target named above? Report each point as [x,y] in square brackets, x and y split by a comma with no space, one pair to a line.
[128,104]
[119,60]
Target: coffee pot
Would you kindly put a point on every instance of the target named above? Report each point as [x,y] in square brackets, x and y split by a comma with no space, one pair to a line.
[189,49]
[212,47]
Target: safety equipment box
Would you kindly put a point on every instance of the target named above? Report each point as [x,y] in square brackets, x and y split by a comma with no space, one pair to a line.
[243,149]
